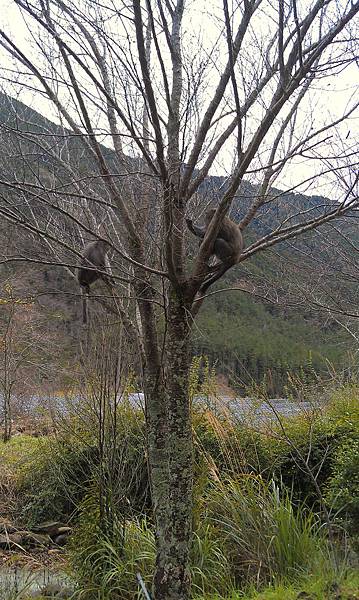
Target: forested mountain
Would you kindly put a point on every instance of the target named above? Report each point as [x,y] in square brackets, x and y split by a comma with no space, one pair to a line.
[249,335]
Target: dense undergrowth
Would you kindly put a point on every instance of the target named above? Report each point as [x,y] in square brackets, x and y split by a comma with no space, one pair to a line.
[258,518]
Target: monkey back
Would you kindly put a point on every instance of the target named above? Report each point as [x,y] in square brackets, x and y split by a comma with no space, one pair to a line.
[94,258]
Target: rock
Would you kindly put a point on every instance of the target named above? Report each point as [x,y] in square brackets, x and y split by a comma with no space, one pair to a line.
[33,540]
[61,540]
[66,530]
[39,539]
[51,590]
[50,528]
[65,593]
[11,541]
[55,590]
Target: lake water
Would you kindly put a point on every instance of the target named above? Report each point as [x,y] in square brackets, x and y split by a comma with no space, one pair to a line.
[240,408]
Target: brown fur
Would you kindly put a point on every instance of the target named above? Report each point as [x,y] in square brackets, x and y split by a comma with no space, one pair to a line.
[227,248]
[93,263]
[229,241]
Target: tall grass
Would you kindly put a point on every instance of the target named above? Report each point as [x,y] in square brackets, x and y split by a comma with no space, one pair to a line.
[106,566]
[248,532]
[266,536]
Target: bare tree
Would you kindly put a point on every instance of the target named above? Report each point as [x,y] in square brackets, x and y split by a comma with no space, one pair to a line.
[25,346]
[150,99]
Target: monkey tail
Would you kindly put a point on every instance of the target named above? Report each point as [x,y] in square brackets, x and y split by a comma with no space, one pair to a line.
[222,269]
[84,306]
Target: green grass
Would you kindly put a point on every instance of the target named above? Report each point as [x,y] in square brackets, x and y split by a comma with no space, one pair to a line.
[19,450]
[248,533]
[313,587]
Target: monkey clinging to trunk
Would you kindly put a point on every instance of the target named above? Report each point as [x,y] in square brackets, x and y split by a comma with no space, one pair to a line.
[227,248]
[94,265]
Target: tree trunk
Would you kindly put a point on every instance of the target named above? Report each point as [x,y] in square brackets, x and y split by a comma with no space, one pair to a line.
[170,454]
[7,416]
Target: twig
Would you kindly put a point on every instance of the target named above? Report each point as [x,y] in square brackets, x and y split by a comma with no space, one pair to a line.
[143,586]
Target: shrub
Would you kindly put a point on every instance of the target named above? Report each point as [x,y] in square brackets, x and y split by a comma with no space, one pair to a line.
[54,480]
[52,483]
[318,437]
[38,474]
[53,474]
[343,487]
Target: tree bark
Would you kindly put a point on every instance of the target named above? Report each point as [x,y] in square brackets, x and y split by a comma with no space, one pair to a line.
[173,511]
[7,416]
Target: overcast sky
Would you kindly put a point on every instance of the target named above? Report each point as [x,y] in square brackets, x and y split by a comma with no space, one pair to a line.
[328,100]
